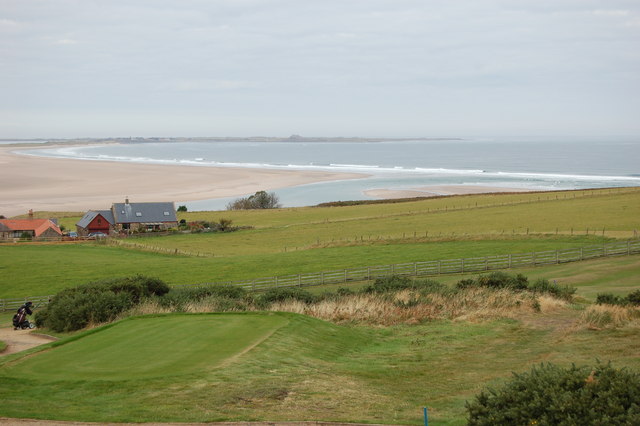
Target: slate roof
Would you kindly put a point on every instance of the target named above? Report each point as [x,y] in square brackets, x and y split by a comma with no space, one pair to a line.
[144,212]
[38,226]
[90,215]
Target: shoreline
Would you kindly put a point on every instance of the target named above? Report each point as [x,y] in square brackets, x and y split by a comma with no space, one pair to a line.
[440,190]
[57,184]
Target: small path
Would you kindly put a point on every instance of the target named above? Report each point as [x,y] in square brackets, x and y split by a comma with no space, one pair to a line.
[21,340]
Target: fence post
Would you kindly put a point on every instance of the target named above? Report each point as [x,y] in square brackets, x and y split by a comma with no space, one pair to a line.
[509,261]
[534,258]
[345,275]
[439,266]
[415,269]
[462,263]
[557,257]
[299,280]
[628,247]
[486,263]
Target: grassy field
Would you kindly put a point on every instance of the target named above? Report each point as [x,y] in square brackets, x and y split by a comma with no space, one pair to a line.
[33,270]
[287,366]
[314,239]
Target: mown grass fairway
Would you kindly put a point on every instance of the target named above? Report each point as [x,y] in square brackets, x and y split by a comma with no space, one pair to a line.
[152,347]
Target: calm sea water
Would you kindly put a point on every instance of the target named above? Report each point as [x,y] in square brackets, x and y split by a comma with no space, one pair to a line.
[527,164]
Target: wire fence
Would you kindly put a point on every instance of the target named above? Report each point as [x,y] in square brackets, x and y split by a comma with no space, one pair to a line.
[415,269]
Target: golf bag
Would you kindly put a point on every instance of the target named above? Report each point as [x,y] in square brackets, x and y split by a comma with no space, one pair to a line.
[20,320]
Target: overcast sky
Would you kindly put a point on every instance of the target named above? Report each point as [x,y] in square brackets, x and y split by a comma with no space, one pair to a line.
[387,68]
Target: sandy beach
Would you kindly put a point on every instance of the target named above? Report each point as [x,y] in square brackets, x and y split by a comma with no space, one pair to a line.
[53,184]
[439,190]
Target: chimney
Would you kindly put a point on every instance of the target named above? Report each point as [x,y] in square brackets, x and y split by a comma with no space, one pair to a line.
[30,214]
[126,200]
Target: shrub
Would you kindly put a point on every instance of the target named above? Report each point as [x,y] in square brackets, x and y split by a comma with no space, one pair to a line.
[96,302]
[497,280]
[609,299]
[543,285]
[634,298]
[178,297]
[553,395]
[388,284]
[282,294]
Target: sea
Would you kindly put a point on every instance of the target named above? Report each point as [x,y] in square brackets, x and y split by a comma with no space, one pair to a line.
[531,164]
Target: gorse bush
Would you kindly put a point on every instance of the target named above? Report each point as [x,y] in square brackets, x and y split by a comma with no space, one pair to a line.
[543,286]
[97,302]
[632,299]
[178,297]
[284,294]
[396,283]
[552,395]
[500,280]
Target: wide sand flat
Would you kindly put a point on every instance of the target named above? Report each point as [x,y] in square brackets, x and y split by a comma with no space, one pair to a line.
[54,184]
[439,190]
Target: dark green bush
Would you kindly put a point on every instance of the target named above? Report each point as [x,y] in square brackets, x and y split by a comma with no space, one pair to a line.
[634,298]
[388,284]
[179,296]
[496,280]
[543,285]
[552,395]
[75,310]
[431,286]
[96,302]
[282,294]
[609,299]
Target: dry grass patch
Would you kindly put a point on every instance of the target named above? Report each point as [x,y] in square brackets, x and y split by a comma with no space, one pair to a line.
[598,317]
[412,307]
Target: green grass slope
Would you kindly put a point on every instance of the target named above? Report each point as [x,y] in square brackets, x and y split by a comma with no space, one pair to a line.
[170,368]
[151,347]
[293,368]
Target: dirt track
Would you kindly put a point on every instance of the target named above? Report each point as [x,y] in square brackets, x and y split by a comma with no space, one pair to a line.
[20,340]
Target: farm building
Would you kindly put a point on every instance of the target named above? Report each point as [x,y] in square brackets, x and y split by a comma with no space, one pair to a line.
[31,228]
[96,221]
[128,217]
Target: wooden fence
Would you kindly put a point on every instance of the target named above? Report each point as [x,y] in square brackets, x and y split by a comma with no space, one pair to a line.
[436,267]
[416,269]
[14,304]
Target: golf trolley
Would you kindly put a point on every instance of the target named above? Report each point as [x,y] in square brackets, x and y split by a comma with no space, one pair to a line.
[20,321]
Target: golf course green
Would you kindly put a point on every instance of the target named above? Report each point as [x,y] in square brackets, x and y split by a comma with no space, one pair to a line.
[146,347]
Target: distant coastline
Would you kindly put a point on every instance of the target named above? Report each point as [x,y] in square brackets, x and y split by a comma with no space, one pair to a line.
[124,140]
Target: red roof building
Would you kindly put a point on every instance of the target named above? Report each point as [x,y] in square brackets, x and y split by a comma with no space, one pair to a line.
[35,228]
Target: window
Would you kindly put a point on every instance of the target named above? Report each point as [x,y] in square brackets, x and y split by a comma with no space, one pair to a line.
[139,214]
[166,213]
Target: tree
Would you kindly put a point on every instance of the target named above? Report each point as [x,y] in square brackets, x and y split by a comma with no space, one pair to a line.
[259,200]
[182,208]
